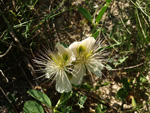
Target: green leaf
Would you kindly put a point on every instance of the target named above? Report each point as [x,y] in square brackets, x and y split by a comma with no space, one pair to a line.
[85,13]
[122,94]
[32,107]
[108,66]
[120,61]
[86,86]
[133,102]
[105,84]
[102,11]
[143,79]
[66,97]
[108,1]
[40,96]
[66,109]
[100,109]
[125,83]
[96,33]
[81,101]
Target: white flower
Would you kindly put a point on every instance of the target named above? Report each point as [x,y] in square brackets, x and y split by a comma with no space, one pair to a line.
[56,67]
[88,56]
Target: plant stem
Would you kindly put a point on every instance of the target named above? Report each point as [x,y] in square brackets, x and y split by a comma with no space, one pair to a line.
[59,102]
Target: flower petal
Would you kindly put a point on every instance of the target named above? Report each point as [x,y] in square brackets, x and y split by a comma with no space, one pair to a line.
[95,67]
[80,71]
[88,43]
[66,53]
[61,48]
[62,83]
[73,47]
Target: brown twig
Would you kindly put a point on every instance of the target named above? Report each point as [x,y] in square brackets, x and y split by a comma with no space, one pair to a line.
[4,76]
[7,50]
[8,99]
[125,68]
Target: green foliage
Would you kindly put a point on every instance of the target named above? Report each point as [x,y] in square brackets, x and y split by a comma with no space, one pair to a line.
[100,109]
[32,107]
[122,94]
[85,13]
[102,11]
[133,102]
[96,33]
[86,86]
[49,16]
[81,101]
[124,91]
[40,96]
[65,109]
[65,97]
[62,106]
[120,61]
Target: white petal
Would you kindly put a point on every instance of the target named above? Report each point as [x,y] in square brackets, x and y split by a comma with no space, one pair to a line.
[62,83]
[95,67]
[80,72]
[88,43]
[73,47]
[61,48]
[62,51]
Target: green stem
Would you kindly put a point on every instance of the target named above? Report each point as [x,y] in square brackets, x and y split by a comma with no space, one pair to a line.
[59,102]
[94,29]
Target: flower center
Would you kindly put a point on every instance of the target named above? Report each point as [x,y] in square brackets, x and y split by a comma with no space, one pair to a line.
[84,55]
[65,57]
[81,49]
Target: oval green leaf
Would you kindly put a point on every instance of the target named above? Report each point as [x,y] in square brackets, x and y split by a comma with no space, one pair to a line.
[32,107]
[40,96]
[85,13]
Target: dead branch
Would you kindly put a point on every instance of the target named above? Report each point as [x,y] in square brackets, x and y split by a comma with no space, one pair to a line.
[125,68]
[7,50]
[4,76]
[8,99]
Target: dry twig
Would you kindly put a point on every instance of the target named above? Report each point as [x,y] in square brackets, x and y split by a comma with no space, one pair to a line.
[7,50]
[125,68]
[4,76]
[8,99]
